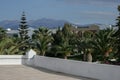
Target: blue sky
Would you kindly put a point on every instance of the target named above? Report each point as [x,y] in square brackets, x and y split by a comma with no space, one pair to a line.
[75,11]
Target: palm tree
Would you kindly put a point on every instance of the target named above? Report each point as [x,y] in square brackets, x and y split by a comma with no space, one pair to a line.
[3,40]
[16,44]
[84,44]
[4,44]
[61,43]
[64,49]
[117,35]
[42,39]
[2,33]
[104,42]
[9,45]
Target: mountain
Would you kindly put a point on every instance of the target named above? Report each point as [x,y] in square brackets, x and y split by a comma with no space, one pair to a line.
[13,24]
[49,23]
[44,22]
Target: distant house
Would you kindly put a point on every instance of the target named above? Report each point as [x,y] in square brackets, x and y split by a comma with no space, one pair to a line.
[82,29]
[53,30]
[11,32]
[93,28]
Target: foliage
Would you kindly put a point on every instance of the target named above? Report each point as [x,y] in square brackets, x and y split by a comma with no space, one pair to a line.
[42,39]
[117,34]
[84,45]
[23,33]
[2,33]
[61,43]
[23,30]
[104,43]
[12,46]
[66,42]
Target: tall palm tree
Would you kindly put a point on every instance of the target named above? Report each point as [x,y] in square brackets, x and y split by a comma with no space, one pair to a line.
[42,39]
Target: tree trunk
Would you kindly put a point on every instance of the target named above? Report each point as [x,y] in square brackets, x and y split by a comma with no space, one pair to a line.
[84,57]
[89,57]
[43,53]
[107,54]
[106,57]
[65,57]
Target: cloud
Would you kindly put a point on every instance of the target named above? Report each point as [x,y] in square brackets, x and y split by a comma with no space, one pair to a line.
[99,13]
[97,17]
[93,2]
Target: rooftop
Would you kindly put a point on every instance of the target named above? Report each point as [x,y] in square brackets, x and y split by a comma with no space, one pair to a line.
[21,72]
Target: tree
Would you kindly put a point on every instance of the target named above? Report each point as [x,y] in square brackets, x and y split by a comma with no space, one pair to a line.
[85,46]
[67,30]
[104,43]
[61,43]
[117,34]
[15,45]
[2,33]
[42,39]
[64,49]
[5,42]
[23,32]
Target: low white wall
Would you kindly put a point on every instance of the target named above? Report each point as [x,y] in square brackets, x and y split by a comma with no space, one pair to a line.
[97,71]
[18,59]
[11,59]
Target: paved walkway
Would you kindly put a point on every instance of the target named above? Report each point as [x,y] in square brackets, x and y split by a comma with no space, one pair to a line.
[21,72]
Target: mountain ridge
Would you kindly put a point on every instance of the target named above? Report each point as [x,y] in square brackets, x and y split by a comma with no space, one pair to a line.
[44,22]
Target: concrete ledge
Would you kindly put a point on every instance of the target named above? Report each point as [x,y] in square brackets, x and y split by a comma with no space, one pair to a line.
[78,68]
[10,56]
[11,59]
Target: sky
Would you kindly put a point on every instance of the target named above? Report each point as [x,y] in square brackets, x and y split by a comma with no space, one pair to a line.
[74,11]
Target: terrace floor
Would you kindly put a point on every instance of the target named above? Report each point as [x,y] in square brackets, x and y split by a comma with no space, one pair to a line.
[21,72]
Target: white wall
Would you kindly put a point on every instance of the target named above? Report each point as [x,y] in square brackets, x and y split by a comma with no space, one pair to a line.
[97,71]
[11,59]
[18,59]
